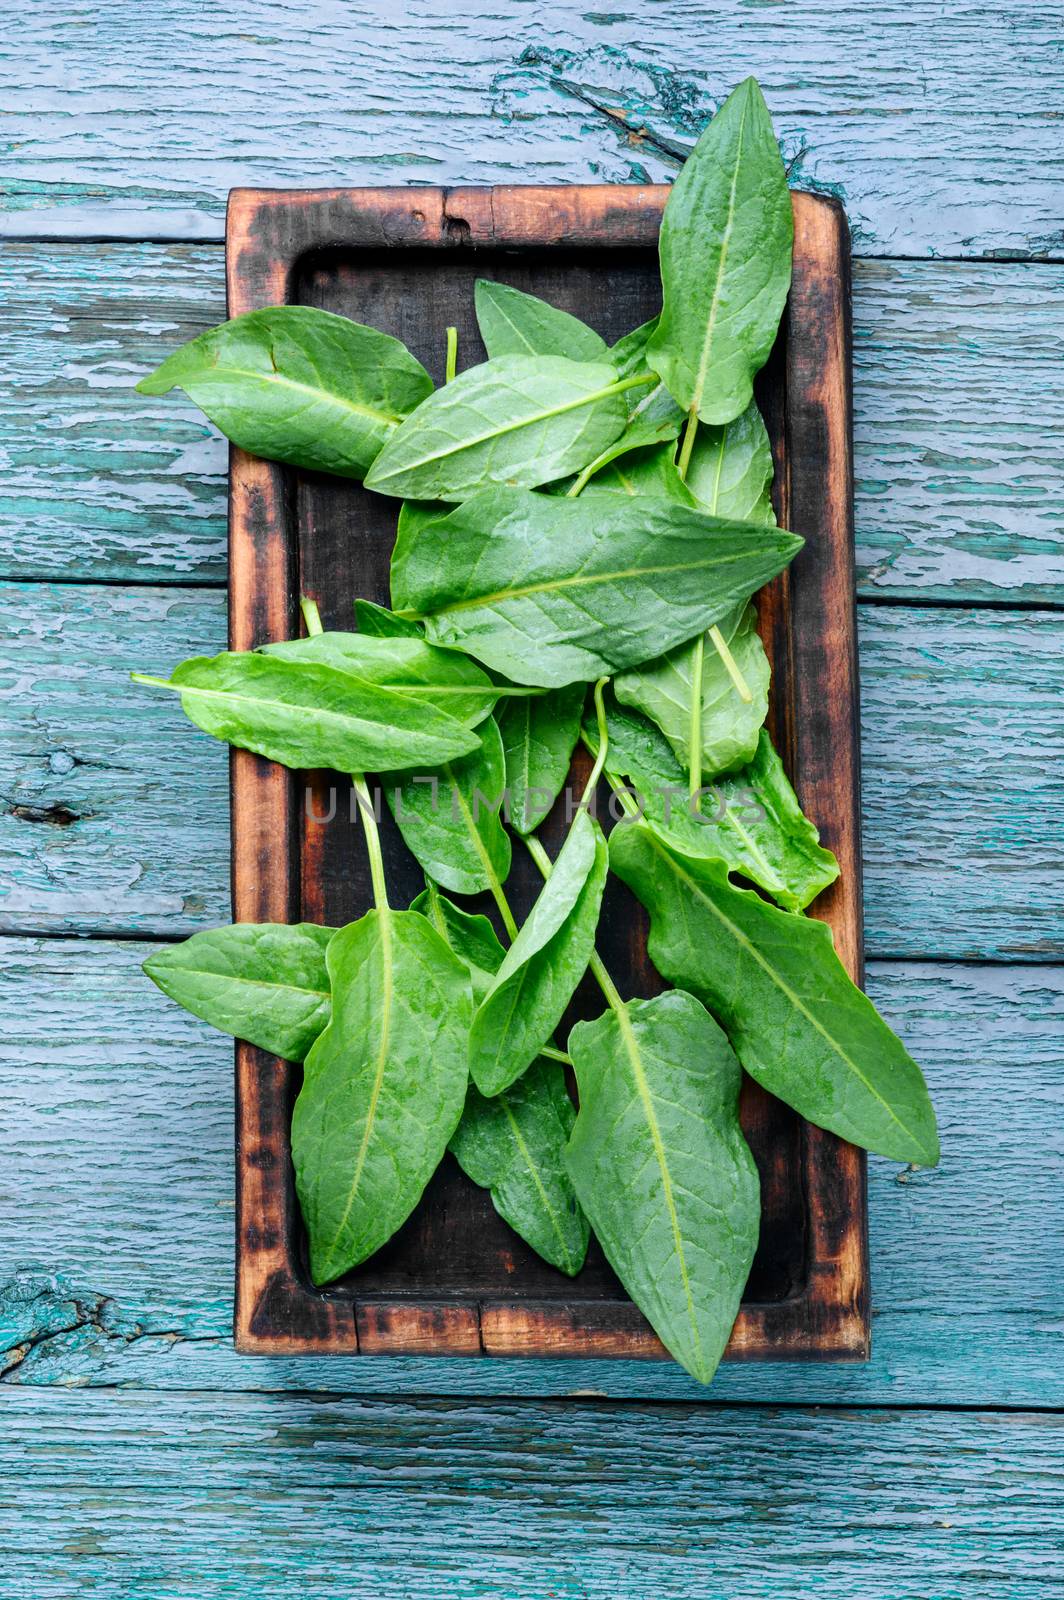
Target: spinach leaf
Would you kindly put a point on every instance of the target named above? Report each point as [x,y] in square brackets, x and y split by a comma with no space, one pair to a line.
[751,820]
[304,714]
[730,470]
[514,1145]
[725,248]
[660,1165]
[543,966]
[263,982]
[552,591]
[450,820]
[662,689]
[470,936]
[539,734]
[380,623]
[422,673]
[650,471]
[519,420]
[515,324]
[383,1087]
[796,1021]
[299,385]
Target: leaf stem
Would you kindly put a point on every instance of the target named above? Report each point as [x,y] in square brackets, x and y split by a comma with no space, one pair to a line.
[731,666]
[595,965]
[688,443]
[452,355]
[554,1054]
[373,841]
[311,616]
[604,740]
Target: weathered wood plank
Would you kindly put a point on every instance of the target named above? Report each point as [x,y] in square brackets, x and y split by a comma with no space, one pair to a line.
[200,1497]
[936,125]
[129,1281]
[115,811]
[959,449]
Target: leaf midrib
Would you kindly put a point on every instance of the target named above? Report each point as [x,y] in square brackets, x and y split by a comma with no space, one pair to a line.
[785,989]
[707,340]
[533,1170]
[328,395]
[631,1045]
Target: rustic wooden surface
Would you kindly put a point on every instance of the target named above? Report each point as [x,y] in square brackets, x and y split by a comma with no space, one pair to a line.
[939,126]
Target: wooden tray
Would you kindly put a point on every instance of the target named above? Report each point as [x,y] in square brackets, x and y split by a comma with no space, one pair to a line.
[456,1280]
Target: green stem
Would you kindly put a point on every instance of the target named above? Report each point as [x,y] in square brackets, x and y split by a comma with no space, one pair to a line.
[554,1054]
[373,842]
[688,443]
[452,355]
[731,666]
[604,740]
[311,616]
[595,966]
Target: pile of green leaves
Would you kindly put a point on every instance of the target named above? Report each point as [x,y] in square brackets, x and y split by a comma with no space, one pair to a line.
[571,515]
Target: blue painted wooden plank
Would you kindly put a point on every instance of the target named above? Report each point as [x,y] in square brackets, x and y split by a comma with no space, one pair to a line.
[117,1117]
[959,444]
[115,814]
[208,1497]
[935,123]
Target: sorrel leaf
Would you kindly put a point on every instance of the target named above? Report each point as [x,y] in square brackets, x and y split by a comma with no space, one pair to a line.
[750,820]
[641,472]
[409,666]
[516,324]
[552,591]
[263,982]
[514,1145]
[295,384]
[518,420]
[660,1165]
[725,248]
[450,819]
[539,734]
[543,966]
[304,714]
[731,469]
[380,623]
[383,1087]
[662,691]
[796,1021]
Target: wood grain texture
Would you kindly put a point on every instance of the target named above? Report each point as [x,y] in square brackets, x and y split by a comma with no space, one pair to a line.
[936,125]
[959,441]
[117,1116]
[204,1497]
[114,809]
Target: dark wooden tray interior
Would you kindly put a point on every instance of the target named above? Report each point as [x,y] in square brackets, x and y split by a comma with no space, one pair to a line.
[455,1251]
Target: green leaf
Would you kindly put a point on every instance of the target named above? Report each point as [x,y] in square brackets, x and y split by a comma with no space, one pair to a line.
[731,469]
[304,714]
[515,324]
[543,966]
[419,671]
[299,385]
[650,471]
[629,356]
[730,726]
[539,734]
[380,623]
[450,819]
[263,982]
[470,936]
[519,420]
[725,248]
[514,1146]
[796,1021]
[751,820]
[660,1165]
[383,1088]
[552,591]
